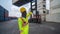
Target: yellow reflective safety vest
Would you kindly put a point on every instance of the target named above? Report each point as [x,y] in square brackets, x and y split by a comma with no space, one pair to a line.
[24,29]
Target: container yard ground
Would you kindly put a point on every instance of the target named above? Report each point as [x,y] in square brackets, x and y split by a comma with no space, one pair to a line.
[11,27]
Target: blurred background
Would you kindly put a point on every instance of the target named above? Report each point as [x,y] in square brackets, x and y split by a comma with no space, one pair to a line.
[44,20]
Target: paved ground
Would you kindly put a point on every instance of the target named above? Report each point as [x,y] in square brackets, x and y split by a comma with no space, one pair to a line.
[46,28]
[11,27]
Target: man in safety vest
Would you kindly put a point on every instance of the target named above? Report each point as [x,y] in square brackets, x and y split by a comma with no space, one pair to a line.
[23,21]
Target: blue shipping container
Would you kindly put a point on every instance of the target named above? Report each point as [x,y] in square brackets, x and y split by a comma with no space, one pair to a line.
[3,12]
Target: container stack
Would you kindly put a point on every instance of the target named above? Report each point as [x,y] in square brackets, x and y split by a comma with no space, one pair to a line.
[3,14]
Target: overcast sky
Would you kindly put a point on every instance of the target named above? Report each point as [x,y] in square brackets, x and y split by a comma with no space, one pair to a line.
[6,4]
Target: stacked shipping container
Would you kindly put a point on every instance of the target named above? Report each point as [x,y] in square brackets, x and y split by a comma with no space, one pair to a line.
[3,14]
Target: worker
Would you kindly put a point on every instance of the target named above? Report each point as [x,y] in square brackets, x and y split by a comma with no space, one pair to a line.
[23,21]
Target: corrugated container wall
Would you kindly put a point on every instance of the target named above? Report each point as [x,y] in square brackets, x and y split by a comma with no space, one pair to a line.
[3,14]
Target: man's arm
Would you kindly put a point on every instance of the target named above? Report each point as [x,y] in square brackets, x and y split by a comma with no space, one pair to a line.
[19,24]
[30,13]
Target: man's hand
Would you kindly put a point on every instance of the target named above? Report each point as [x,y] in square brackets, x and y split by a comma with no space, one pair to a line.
[24,24]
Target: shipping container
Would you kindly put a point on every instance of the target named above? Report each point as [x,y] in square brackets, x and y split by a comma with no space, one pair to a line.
[3,14]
